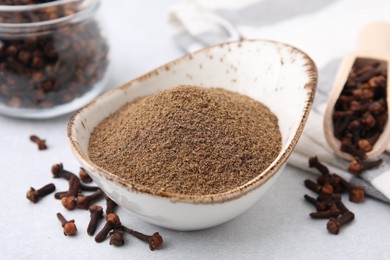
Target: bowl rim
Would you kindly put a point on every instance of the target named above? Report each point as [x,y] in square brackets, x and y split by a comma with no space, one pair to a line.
[229,195]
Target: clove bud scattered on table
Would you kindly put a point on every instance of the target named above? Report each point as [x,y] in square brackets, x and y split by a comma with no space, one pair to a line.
[74,198]
[328,204]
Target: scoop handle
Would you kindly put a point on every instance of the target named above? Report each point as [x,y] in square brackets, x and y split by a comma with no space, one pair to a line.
[375,37]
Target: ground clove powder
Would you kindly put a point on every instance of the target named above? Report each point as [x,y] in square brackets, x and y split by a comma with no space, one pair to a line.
[188,140]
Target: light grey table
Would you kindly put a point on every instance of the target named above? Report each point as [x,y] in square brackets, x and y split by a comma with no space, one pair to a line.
[277,227]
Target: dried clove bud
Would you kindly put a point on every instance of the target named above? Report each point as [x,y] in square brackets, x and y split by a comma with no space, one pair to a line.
[34,195]
[116,237]
[83,202]
[155,241]
[314,162]
[96,215]
[364,145]
[40,142]
[334,224]
[113,222]
[357,166]
[58,171]
[69,226]
[69,202]
[357,194]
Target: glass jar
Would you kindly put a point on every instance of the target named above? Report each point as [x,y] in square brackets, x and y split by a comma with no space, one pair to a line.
[53,57]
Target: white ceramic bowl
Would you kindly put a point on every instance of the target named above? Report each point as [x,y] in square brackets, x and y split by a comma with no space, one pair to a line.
[280,76]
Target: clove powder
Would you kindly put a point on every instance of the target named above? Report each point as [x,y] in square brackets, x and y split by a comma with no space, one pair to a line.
[188,140]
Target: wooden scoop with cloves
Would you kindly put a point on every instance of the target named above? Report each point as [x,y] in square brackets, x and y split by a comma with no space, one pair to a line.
[356,121]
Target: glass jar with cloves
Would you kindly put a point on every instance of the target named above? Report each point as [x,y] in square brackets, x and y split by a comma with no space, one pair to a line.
[53,56]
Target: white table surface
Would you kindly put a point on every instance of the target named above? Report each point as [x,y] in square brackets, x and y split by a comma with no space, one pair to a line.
[277,227]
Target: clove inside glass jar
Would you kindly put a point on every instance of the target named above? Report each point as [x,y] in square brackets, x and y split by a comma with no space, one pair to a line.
[53,56]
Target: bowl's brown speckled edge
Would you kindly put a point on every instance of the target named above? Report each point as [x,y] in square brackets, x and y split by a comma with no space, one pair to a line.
[233,194]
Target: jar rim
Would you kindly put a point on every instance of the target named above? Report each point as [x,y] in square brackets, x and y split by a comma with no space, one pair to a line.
[87,8]
[29,7]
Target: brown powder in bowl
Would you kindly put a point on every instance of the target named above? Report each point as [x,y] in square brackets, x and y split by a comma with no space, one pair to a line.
[188,140]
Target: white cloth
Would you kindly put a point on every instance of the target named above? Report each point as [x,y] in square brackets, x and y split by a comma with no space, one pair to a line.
[313,26]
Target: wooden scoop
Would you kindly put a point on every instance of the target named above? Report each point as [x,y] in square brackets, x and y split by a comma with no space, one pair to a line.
[373,44]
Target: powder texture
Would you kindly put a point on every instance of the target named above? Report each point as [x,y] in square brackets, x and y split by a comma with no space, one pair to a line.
[188,140]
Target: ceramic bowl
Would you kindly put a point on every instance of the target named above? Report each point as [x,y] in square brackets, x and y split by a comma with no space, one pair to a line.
[280,76]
